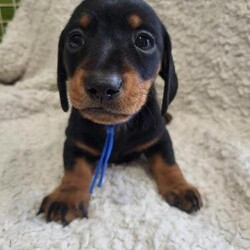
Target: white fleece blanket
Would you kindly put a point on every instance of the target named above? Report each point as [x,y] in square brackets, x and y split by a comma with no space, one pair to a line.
[210,131]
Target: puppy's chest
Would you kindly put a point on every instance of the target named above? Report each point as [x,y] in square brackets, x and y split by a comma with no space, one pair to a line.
[130,139]
[124,144]
[129,143]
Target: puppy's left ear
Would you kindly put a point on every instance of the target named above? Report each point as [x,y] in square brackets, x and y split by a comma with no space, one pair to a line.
[62,75]
[167,73]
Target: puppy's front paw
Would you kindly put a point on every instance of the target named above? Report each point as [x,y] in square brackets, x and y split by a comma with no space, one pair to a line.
[65,204]
[185,197]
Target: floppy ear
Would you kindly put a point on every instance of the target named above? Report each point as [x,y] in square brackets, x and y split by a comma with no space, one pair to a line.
[167,73]
[62,76]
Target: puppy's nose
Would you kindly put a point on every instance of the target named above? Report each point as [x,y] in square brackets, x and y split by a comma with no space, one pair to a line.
[103,87]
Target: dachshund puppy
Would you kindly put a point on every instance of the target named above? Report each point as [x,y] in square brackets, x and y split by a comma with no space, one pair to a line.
[110,54]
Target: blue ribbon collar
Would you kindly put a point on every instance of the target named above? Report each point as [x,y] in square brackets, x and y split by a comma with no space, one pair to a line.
[102,163]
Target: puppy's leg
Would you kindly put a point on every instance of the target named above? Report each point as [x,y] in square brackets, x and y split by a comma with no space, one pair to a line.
[169,178]
[71,198]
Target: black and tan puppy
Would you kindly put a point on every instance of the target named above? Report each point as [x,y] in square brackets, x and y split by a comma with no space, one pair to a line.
[110,53]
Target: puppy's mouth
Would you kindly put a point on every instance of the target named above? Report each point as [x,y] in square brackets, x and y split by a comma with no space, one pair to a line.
[103,115]
[102,110]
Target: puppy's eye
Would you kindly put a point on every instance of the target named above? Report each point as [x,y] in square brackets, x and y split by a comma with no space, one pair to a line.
[144,42]
[76,41]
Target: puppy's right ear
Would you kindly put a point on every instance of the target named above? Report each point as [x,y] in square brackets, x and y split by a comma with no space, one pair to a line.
[168,72]
[62,75]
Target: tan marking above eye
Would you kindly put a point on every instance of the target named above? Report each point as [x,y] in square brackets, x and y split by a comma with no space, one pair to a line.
[135,21]
[85,20]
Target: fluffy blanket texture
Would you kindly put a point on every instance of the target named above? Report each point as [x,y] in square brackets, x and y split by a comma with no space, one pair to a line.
[210,131]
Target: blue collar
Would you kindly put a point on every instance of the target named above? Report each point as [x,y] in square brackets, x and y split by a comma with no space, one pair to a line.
[102,164]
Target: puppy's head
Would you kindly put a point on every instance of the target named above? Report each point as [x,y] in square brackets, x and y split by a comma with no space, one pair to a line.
[110,52]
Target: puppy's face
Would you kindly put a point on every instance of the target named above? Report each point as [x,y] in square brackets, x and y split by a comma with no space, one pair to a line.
[112,52]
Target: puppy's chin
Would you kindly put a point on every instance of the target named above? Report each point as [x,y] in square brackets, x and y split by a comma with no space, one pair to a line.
[105,118]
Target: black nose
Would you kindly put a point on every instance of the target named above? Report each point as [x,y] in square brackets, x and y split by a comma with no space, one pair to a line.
[103,87]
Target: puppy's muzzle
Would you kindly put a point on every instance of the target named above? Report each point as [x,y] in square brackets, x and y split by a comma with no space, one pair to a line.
[103,87]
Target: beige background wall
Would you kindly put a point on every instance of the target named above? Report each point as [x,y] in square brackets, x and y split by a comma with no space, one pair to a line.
[211,42]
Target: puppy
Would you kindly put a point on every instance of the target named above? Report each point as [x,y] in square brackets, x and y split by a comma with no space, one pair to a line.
[110,54]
